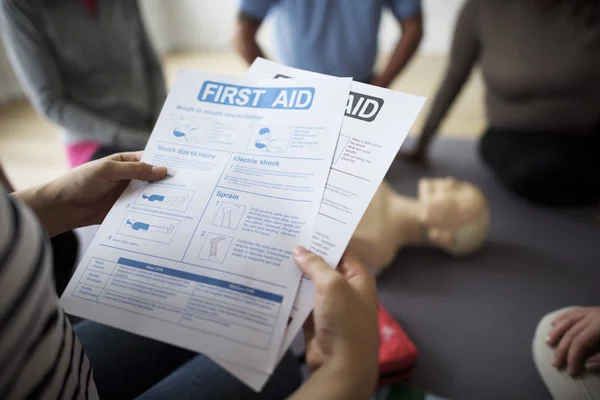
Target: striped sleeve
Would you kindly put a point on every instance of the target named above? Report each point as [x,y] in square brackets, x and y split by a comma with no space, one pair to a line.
[40,357]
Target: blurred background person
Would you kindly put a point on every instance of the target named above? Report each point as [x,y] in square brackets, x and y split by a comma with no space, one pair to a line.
[540,62]
[89,67]
[335,37]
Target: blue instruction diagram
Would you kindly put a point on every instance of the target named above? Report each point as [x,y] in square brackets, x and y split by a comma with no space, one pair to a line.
[149,227]
[215,247]
[189,129]
[272,139]
[229,215]
[164,197]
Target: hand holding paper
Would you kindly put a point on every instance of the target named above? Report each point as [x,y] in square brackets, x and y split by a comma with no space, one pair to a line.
[342,335]
[85,195]
[376,123]
[212,271]
[202,259]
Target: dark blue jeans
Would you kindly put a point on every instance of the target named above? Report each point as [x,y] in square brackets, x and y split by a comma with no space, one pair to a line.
[128,366]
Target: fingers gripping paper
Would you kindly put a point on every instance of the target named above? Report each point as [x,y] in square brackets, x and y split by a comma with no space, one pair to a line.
[202,259]
[376,123]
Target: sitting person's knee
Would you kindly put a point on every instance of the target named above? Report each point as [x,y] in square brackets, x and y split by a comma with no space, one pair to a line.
[542,352]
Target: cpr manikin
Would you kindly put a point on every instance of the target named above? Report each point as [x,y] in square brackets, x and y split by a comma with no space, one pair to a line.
[448,214]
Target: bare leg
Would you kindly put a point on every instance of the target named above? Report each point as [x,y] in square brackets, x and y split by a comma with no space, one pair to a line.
[176,200]
[162,229]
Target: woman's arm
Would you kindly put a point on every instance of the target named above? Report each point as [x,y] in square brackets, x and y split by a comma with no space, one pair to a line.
[84,195]
[30,53]
[37,341]
[464,53]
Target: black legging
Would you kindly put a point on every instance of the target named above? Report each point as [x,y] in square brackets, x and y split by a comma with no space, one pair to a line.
[65,248]
[548,168]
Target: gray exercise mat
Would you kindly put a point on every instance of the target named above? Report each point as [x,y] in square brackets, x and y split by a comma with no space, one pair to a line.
[473,319]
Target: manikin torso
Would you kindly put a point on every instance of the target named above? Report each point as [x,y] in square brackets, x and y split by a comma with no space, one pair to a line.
[448,214]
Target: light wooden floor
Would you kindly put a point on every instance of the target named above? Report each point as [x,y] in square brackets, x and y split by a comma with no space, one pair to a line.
[31,151]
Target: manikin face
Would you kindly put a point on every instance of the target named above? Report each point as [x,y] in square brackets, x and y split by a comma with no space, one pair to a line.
[448,205]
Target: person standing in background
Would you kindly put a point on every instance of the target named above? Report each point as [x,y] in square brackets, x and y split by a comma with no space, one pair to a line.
[334,37]
[540,61]
[89,67]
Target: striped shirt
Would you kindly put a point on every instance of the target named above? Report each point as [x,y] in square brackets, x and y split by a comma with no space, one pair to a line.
[40,357]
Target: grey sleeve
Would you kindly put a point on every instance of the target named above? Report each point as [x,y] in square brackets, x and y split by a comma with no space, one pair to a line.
[153,66]
[463,55]
[31,56]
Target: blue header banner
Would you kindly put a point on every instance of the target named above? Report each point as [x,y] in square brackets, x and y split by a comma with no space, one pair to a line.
[287,98]
[202,279]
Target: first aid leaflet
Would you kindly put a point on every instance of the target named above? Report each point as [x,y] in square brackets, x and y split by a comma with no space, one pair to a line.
[376,123]
[202,259]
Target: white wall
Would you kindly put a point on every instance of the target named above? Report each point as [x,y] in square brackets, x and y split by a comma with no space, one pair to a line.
[440,17]
[206,25]
[196,25]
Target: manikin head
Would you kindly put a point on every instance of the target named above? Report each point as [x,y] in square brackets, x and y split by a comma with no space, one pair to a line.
[455,214]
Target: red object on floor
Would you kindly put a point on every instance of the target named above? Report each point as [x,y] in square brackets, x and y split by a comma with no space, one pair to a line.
[397,353]
[91,6]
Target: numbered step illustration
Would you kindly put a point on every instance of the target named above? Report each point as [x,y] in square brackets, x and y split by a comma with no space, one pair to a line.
[340,147]
[163,197]
[229,215]
[149,227]
[189,129]
[215,247]
[272,139]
